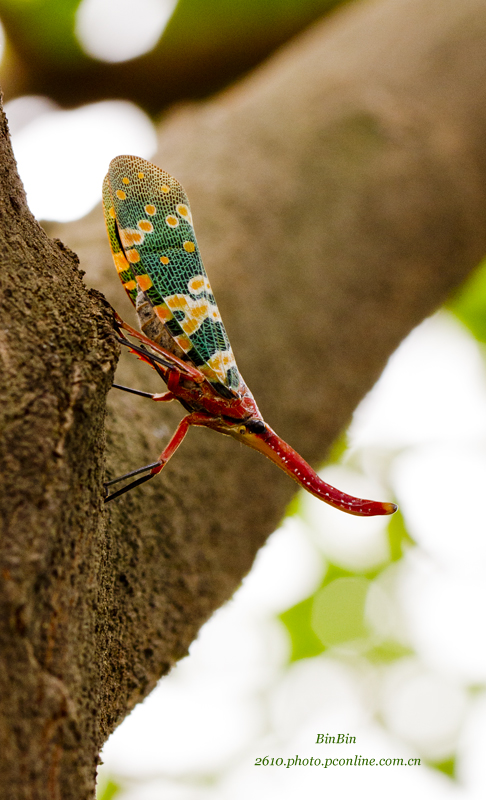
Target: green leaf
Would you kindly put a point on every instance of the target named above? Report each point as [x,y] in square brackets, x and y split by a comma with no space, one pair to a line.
[293,508]
[469,304]
[338,449]
[389,651]
[297,620]
[108,790]
[448,767]
[43,29]
[398,536]
[338,611]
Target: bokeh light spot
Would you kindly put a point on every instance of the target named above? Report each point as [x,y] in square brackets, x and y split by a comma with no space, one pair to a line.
[118,30]
[338,614]
[62,156]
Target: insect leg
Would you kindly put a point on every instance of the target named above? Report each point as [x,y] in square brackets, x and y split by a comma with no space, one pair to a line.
[146,355]
[163,396]
[132,391]
[185,368]
[133,483]
[171,375]
[172,384]
[197,418]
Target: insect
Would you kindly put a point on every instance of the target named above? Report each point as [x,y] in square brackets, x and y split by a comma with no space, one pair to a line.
[151,234]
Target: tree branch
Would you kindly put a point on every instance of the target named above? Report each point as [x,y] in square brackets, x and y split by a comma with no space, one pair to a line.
[338,196]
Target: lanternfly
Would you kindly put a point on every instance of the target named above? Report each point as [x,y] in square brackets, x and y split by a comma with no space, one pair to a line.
[155,251]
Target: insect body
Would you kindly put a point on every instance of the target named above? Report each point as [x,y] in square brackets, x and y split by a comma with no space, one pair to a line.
[154,248]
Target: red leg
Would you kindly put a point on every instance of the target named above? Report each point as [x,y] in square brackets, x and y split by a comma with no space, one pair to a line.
[186,369]
[173,380]
[172,384]
[197,418]
[164,397]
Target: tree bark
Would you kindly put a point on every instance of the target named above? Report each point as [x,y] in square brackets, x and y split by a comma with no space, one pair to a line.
[339,196]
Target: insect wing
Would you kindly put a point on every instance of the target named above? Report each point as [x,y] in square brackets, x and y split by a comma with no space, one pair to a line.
[153,229]
[123,268]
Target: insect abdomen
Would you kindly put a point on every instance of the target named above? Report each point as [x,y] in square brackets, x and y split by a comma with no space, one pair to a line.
[152,327]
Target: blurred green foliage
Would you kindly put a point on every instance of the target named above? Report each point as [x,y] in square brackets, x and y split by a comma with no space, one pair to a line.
[448,767]
[304,641]
[398,536]
[206,44]
[338,611]
[388,651]
[108,790]
[44,26]
[335,613]
[338,449]
[469,303]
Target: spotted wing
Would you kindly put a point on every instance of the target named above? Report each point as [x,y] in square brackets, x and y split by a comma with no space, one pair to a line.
[149,225]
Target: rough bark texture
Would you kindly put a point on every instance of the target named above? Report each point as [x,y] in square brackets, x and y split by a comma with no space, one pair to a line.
[339,196]
[56,363]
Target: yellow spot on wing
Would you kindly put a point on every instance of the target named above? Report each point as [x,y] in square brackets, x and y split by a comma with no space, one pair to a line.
[219,363]
[163,313]
[145,226]
[125,180]
[196,284]
[164,259]
[133,256]
[189,247]
[120,262]
[172,221]
[130,286]
[144,281]
[130,236]
[112,212]
[150,209]
[141,175]
[195,311]
[184,342]
[165,188]
[184,211]
[120,194]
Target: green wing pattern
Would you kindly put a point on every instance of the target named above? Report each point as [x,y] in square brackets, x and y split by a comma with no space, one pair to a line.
[152,239]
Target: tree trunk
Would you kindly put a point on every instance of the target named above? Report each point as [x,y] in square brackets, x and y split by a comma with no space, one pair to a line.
[339,196]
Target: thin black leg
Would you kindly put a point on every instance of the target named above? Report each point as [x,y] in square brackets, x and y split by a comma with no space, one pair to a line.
[142,351]
[128,487]
[132,391]
[132,473]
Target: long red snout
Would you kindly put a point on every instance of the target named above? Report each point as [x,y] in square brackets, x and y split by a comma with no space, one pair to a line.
[285,457]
